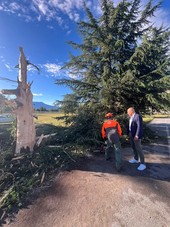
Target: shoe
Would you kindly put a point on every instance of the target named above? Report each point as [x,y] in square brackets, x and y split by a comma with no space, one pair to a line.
[133,161]
[141,167]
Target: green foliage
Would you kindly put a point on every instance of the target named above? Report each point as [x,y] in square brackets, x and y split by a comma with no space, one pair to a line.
[12,131]
[47,129]
[6,139]
[69,103]
[85,128]
[4,107]
[123,60]
[42,109]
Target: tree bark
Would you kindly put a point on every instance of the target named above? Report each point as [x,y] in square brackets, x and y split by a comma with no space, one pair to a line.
[24,109]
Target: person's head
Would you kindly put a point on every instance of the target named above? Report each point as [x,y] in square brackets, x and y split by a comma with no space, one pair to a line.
[109,116]
[130,111]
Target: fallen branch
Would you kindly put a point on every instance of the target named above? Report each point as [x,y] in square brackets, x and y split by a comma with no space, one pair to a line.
[18,158]
[44,137]
[6,195]
[33,164]
[3,215]
[69,156]
[40,140]
[2,171]
[42,178]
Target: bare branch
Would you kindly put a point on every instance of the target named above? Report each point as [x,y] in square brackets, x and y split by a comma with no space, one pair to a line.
[29,63]
[17,66]
[4,78]
[10,92]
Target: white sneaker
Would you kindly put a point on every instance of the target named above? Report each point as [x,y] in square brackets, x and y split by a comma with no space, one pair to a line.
[141,167]
[133,161]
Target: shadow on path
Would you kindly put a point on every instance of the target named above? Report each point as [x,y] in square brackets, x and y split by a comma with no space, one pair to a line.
[158,166]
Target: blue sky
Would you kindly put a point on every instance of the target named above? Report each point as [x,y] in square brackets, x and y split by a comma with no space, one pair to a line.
[43,28]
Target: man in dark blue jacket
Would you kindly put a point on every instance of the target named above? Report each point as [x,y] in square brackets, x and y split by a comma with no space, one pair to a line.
[135,132]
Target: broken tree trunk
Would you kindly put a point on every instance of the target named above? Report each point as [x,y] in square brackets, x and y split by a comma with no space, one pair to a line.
[24,108]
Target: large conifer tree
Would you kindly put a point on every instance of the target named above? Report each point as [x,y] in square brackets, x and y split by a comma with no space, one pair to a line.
[124,59]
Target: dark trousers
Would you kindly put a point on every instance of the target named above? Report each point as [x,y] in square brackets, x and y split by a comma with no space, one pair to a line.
[137,149]
[117,148]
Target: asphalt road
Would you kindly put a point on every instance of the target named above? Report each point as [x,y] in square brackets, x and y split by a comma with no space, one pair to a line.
[161,126]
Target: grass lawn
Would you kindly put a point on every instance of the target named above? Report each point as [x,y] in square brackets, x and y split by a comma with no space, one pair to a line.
[50,118]
[148,118]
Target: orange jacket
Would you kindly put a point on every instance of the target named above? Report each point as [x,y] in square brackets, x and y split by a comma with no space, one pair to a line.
[111,124]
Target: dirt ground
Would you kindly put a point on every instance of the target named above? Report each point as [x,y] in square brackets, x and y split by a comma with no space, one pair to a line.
[93,194]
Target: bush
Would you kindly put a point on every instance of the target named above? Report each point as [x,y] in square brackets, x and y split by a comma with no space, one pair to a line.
[85,128]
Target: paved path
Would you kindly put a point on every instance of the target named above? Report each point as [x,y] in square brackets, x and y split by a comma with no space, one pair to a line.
[161,126]
[94,195]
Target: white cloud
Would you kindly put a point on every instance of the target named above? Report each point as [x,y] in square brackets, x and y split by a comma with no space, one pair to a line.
[161,18]
[55,70]
[55,9]
[52,68]
[48,10]
[2,59]
[14,6]
[11,7]
[40,94]
[31,68]
[7,66]
[68,32]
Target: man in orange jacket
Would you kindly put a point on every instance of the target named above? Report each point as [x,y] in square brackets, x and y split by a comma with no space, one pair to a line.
[111,132]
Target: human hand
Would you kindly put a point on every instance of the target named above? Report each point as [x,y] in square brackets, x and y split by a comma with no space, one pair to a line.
[136,138]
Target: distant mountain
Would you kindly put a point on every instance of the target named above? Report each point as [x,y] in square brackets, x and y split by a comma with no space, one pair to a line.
[38,105]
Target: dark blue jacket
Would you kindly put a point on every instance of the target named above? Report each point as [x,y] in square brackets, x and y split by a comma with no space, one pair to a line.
[136,126]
